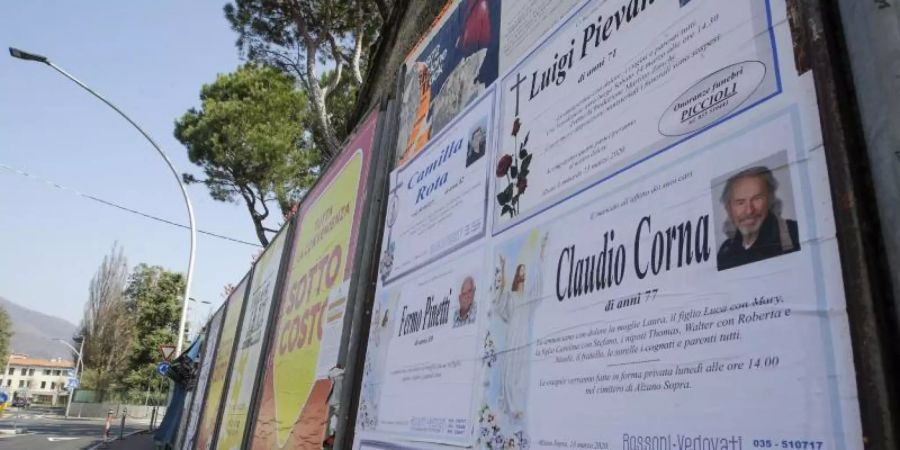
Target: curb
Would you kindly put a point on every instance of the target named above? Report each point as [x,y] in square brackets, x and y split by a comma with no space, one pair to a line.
[13,431]
[125,436]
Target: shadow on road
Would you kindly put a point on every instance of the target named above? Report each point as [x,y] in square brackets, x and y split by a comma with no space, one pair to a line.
[54,432]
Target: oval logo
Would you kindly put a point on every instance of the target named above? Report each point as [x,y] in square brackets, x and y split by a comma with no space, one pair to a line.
[712,98]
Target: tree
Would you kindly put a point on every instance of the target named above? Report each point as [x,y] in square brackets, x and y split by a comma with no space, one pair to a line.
[298,35]
[154,300]
[247,138]
[340,104]
[106,325]
[5,336]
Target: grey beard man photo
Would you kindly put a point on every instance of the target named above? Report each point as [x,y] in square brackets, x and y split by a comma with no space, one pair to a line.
[760,232]
[466,312]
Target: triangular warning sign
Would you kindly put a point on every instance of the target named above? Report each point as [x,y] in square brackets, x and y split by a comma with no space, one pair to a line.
[167,351]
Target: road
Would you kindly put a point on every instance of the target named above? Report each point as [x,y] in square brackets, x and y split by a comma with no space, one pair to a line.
[54,432]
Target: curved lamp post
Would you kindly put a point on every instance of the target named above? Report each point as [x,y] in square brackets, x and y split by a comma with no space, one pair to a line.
[16,53]
[204,302]
[77,364]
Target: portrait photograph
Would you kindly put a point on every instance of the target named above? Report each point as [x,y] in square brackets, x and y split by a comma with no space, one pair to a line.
[477,144]
[465,311]
[754,214]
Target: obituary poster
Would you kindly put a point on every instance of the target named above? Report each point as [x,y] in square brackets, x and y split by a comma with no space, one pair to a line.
[438,201]
[643,297]
[293,409]
[206,363]
[424,344]
[235,304]
[619,82]
[663,257]
[242,383]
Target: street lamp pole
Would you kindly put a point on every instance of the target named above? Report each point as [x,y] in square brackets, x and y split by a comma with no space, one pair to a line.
[77,352]
[205,302]
[16,53]
[79,363]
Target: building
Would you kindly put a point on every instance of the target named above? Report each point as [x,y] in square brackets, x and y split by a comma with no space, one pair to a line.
[42,381]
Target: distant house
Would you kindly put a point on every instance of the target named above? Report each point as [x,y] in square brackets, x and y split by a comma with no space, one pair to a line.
[39,380]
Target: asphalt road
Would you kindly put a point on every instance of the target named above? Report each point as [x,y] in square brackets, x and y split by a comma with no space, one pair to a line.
[53,432]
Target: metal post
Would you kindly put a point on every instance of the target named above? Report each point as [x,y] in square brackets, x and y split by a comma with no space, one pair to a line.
[69,400]
[78,363]
[187,201]
[122,425]
[153,413]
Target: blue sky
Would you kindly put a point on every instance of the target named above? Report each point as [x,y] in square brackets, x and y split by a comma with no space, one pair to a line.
[150,58]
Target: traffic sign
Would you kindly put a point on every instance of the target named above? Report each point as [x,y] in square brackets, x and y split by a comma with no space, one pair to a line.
[167,352]
[4,397]
[162,368]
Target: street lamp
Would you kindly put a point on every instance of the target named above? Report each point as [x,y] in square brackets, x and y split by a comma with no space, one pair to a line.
[80,339]
[78,364]
[205,302]
[26,56]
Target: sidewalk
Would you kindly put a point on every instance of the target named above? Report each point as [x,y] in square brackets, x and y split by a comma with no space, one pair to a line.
[139,441]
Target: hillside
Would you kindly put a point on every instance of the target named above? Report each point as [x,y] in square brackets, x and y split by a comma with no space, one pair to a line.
[33,332]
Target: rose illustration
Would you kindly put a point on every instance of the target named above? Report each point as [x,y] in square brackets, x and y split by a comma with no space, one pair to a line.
[522,184]
[513,166]
[503,165]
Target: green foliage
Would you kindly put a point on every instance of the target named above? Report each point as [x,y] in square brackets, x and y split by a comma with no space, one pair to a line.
[298,36]
[154,302]
[105,384]
[92,379]
[247,138]
[5,335]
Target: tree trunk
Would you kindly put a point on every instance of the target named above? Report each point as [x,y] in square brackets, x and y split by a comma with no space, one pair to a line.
[318,105]
[260,230]
[357,54]
[250,201]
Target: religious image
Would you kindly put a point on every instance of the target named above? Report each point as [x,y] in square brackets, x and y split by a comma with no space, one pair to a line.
[444,77]
[516,294]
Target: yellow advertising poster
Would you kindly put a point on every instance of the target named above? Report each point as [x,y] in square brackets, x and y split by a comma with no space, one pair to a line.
[220,368]
[242,382]
[293,407]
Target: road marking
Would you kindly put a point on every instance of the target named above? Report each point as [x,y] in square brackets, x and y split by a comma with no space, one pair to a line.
[7,436]
[57,439]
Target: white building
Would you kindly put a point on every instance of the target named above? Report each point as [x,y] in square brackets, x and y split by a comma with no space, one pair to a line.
[40,380]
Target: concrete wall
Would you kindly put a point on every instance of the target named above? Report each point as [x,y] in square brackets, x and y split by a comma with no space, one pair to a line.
[136,412]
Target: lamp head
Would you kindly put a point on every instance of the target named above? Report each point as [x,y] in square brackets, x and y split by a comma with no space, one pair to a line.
[20,54]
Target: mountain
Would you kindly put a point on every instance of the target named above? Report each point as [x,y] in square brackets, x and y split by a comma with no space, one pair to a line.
[33,332]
